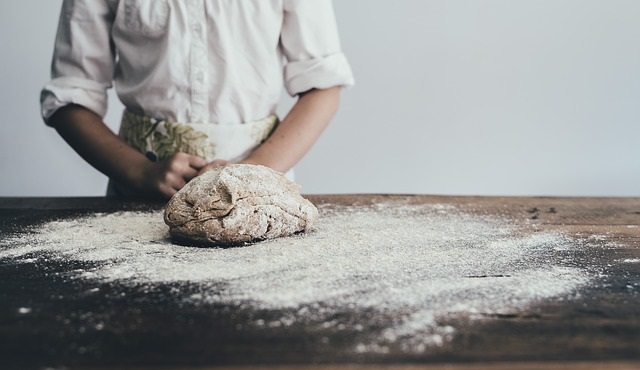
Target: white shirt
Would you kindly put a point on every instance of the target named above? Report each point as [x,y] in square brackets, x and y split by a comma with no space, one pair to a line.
[193,61]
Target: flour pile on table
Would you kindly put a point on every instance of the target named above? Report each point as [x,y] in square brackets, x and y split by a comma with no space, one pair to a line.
[409,267]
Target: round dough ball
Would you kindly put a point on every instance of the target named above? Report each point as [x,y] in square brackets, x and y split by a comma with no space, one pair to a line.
[235,204]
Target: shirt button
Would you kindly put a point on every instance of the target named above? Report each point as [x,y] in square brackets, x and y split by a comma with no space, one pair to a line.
[197,28]
[200,76]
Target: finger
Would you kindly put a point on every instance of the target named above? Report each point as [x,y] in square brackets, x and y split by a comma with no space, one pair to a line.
[212,165]
[178,183]
[167,191]
[180,166]
[189,173]
[206,168]
[197,162]
[174,180]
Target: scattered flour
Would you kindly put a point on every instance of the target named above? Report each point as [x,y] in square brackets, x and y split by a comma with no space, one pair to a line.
[412,266]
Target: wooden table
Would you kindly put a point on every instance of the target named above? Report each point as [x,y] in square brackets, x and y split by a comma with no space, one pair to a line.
[599,330]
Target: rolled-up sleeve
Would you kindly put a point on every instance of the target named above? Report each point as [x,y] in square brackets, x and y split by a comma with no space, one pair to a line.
[83,59]
[311,44]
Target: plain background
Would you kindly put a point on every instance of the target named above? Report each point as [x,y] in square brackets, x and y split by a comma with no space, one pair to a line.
[487,97]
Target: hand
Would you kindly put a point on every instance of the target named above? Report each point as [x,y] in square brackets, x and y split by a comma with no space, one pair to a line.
[216,163]
[102,148]
[166,177]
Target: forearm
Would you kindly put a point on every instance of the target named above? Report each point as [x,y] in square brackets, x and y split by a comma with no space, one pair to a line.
[97,144]
[298,131]
[87,134]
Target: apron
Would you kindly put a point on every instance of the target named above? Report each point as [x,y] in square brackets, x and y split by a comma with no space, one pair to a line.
[159,139]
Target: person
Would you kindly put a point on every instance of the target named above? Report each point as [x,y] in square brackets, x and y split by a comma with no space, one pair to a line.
[200,82]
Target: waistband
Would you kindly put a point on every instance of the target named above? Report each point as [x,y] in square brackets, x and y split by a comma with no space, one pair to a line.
[159,139]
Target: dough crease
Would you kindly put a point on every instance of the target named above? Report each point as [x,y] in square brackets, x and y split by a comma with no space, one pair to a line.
[235,204]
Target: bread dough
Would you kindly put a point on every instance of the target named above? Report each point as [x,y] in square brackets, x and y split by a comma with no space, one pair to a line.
[238,203]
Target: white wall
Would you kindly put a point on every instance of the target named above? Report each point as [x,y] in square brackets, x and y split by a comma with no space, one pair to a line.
[513,97]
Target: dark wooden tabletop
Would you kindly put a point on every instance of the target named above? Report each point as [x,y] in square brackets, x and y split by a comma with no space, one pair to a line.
[600,329]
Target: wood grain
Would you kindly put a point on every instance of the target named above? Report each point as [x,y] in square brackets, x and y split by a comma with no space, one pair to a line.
[600,330]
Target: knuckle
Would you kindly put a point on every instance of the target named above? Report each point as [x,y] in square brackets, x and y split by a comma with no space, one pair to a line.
[181,156]
[166,178]
[174,165]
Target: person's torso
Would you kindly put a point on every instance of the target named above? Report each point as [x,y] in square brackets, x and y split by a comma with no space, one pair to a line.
[199,60]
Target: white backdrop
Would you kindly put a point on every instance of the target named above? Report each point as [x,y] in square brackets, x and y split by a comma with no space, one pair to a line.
[490,97]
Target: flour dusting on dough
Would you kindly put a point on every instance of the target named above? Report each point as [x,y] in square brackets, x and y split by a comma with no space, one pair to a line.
[238,203]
